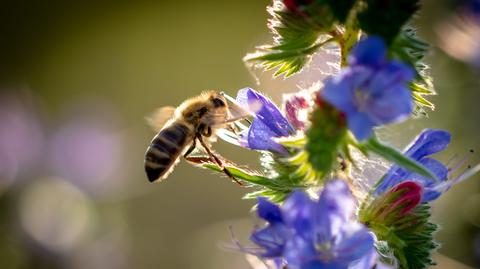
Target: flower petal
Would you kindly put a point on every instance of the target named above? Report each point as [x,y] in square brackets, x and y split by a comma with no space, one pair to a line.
[272,239]
[391,74]
[340,90]
[266,111]
[259,137]
[430,141]
[354,242]
[397,175]
[371,51]
[392,105]
[361,125]
[299,252]
[335,206]
[297,212]
[268,211]
[367,261]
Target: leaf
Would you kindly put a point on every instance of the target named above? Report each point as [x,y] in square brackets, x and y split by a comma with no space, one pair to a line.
[249,177]
[408,48]
[297,36]
[392,154]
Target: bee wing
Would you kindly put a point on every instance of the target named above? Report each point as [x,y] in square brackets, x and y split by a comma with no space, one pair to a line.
[159,117]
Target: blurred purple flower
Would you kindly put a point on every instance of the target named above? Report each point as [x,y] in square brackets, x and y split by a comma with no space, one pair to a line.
[267,124]
[21,137]
[88,152]
[315,234]
[372,91]
[430,141]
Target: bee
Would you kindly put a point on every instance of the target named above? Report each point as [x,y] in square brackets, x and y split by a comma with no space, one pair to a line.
[195,120]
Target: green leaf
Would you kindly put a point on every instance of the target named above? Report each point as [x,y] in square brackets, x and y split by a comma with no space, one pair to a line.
[408,48]
[297,37]
[421,100]
[247,176]
[392,154]
[276,184]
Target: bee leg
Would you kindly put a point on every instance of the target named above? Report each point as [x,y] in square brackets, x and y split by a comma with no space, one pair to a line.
[191,148]
[207,132]
[215,159]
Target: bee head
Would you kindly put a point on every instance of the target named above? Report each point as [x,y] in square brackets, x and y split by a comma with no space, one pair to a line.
[218,100]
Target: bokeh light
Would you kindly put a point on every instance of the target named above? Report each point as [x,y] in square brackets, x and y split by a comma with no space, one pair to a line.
[21,135]
[56,214]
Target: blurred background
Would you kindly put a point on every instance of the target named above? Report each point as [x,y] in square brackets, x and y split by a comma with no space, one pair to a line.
[77,80]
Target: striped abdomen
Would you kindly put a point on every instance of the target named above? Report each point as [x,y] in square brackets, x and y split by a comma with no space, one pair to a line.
[163,152]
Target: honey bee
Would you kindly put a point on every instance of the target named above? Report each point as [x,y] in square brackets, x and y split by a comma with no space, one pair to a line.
[179,130]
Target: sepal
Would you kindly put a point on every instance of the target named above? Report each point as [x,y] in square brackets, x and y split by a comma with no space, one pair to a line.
[402,225]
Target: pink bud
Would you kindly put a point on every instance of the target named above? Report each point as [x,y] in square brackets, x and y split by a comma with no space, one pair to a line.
[410,195]
[295,106]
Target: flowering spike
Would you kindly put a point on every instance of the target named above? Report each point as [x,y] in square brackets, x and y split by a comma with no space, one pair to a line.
[324,137]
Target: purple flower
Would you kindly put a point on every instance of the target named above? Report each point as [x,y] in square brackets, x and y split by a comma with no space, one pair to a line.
[372,91]
[267,124]
[430,141]
[306,233]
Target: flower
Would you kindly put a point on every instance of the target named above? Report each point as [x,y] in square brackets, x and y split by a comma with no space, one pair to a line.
[268,122]
[306,233]
[430,141]
[372,91]
[296,108]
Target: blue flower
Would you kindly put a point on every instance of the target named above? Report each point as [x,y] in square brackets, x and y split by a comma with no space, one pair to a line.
[373,90]
[305,233]
[430,141]
[268,122]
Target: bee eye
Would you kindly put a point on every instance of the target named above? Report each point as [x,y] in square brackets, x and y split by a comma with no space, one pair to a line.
[217,102]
